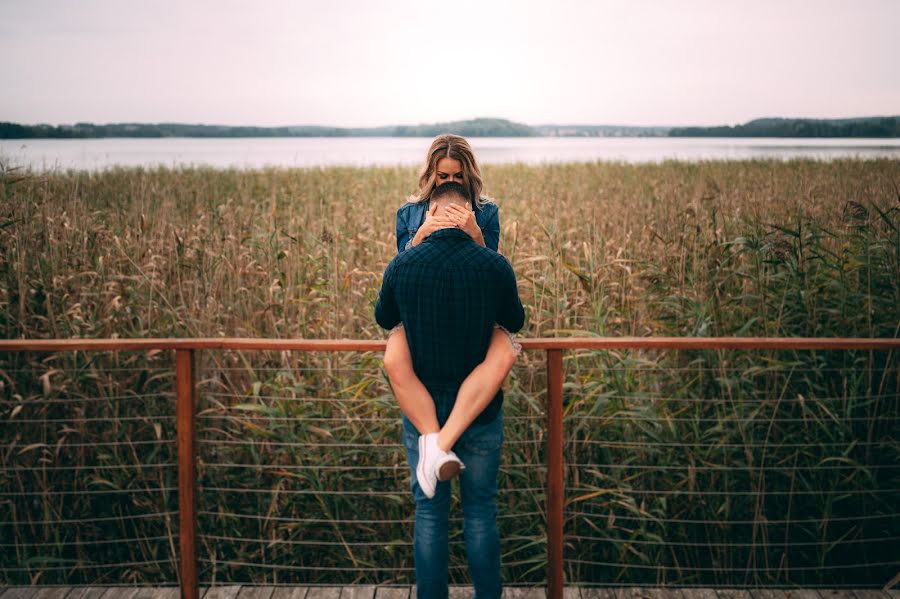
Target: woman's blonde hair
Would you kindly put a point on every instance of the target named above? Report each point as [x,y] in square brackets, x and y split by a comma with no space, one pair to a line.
[456,147]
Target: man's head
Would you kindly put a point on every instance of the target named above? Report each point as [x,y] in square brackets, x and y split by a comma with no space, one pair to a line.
[450,193]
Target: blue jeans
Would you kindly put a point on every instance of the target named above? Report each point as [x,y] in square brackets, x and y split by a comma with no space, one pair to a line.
[479,450]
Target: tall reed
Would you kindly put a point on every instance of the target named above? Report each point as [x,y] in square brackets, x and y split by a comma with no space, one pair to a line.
[685,467]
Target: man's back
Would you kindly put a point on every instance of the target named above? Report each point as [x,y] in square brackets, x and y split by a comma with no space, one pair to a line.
[449,292]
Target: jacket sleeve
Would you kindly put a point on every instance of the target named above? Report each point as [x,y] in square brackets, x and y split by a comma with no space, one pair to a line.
[402,229]
[387,312]
[510,313]
[491,231]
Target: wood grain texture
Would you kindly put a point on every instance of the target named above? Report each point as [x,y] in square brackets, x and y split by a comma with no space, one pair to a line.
[555,481]
[252,592]
[187,473]
[291,592]
[323,593]
[86,593]
[733,594]
[524,593]
[456,592]
[223,592]
[597,593]
[699,594]
[366,591]
[51,593]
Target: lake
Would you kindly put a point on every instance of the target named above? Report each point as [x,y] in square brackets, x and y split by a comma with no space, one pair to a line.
[94,154]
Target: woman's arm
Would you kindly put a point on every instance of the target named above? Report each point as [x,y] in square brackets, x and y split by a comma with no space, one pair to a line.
[491,230]
[402,228]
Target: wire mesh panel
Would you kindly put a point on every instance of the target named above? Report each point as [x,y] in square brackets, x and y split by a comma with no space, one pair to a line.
[684,468]
[726,468]
[88,480]
[303,477]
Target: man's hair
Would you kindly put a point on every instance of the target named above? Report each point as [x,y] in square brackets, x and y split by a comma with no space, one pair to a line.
[444,193]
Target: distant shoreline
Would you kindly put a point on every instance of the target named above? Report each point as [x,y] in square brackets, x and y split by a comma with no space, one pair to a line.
[886,127]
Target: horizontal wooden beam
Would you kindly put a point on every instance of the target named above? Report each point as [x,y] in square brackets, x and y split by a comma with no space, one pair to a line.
[331,345]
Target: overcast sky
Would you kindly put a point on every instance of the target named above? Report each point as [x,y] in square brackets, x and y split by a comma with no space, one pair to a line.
[369,63]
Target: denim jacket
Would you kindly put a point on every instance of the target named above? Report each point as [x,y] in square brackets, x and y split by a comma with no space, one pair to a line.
[411,215]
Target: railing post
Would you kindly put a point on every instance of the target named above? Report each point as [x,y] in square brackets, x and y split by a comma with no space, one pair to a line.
[555,491]
[187,472]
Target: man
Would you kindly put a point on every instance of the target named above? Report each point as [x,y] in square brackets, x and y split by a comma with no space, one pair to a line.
[449,292]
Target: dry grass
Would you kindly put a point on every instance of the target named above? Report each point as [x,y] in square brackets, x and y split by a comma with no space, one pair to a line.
[760,248]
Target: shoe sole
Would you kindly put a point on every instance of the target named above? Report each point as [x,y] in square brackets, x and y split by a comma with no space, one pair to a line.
[448,470]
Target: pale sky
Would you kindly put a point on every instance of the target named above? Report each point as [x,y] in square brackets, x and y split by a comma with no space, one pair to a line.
[372,62]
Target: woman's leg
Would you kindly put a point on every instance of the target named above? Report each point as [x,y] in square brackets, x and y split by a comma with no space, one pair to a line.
[479,388]
[414,399]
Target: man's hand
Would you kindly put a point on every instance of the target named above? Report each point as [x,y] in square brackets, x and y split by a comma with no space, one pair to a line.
[432,223]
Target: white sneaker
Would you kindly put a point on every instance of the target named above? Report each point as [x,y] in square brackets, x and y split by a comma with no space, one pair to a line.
[435,464]
[448,466]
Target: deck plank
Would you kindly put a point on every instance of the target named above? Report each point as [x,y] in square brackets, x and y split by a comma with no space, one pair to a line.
[598,593]
[393,592]
[648,593]
[457,591]
[573,593]
[18,592]
[870,594]
[699,593]
[51,592]
[158,593]
[223,592]
[836,594]
[86,593]
[524,593]
[360,591]
[251,592]
[120,592]
[733,594]
[323,593]
[767,594]
[801,594]
[290,592]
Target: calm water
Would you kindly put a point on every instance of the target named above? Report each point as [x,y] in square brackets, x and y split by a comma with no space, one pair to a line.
[92,154]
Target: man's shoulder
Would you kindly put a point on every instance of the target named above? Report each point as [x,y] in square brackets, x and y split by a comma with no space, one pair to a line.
[413,254]
[489,258]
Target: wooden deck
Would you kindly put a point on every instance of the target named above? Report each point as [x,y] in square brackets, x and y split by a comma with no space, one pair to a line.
[405,592]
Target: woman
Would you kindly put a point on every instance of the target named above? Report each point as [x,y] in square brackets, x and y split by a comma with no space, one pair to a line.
[449,158]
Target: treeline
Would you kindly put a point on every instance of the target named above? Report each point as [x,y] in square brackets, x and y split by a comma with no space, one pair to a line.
[775,127]
[770,127]
[469,128]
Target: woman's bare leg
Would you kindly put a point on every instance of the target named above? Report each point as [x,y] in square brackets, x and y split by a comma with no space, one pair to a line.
[414,399]
[478,389]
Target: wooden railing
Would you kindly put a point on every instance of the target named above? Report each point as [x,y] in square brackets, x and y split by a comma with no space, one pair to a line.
[185,351]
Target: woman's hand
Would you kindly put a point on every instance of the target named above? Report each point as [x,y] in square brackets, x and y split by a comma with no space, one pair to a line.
[432,223]
[464,219]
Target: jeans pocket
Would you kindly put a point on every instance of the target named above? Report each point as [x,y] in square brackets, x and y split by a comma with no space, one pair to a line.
[483,439]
